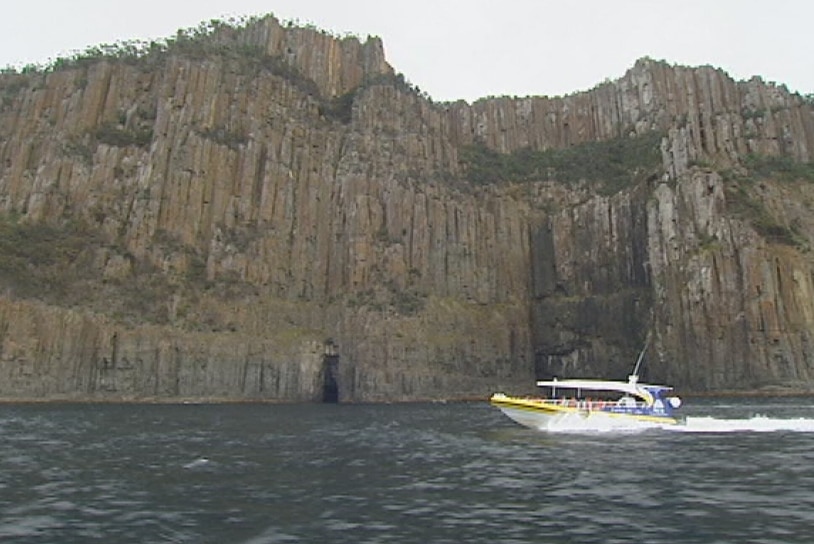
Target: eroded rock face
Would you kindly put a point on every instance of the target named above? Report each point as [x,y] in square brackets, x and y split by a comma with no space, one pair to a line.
[285,194]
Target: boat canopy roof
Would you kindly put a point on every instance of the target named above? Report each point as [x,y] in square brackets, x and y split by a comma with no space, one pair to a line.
[632,386]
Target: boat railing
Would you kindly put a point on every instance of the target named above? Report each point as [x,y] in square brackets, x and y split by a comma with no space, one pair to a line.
[594,405]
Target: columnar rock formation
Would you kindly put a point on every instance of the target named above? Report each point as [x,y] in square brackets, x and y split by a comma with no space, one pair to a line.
[237,206]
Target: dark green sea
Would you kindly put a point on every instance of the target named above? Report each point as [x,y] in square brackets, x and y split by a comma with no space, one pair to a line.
[741,471]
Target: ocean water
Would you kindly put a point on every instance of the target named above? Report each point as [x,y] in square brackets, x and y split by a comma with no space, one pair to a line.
[740,471]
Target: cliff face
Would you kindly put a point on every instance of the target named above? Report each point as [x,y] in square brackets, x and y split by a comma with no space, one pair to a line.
[219,219]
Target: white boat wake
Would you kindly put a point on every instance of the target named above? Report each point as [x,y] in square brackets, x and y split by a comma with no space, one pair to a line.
[697,424]
[756,424]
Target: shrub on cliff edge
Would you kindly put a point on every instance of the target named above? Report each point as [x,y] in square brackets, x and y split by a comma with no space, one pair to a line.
[613,164]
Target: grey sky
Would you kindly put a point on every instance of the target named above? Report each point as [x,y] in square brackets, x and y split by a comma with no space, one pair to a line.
[469,48]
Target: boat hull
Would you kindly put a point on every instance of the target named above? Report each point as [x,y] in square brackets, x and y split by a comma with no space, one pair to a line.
[545,416]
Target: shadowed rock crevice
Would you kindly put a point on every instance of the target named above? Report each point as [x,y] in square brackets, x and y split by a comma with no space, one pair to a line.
[330,370]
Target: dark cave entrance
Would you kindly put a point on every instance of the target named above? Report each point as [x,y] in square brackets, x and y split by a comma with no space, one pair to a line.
[330,371]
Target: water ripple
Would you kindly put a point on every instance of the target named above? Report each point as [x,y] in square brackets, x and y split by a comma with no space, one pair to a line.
[402,473]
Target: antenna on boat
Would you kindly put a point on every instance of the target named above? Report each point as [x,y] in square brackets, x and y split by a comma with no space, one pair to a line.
[635,376]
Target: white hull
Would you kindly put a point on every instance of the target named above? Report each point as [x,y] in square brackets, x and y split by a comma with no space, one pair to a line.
[578,421]
[546,416]
[534,420]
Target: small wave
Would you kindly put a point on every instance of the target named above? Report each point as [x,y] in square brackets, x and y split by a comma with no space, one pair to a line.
[27,525]
[197,463]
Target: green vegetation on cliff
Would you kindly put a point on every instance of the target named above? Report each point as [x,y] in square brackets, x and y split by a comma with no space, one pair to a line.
[782,168]
[199,42]
[71,264]
[42,261]
[62,264]
[614,164]
[744,201]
